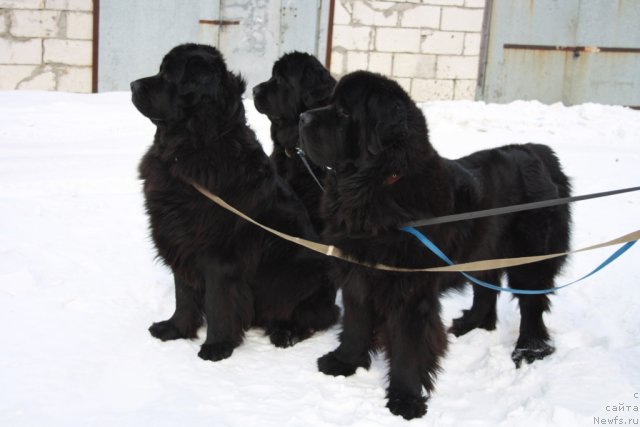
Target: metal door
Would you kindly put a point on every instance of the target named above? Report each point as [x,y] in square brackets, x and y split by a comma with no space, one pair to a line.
[135,34]
[265,30]
[572,51]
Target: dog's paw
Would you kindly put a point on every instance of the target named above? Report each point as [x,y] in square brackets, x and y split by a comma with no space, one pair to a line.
[535,350]
[461,325]
[407,406]
[283,337]
[216,351]
[466,323]
[329,364]
[166,330]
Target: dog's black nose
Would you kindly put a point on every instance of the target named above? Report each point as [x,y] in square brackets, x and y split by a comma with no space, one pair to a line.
[135,85]
[256,90]
[305,119]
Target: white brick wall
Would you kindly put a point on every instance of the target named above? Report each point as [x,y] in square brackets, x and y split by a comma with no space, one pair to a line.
[407,65]
[71,52]
[75,79]
[446,2]
[353,38]
[341,14]
[442,42]
[84,5]
[35,23]
[46,44]
[430,47]
[20,51]
[433,90]
[465,89]
[459,19]
[21,4]
[357,60]
[421,17]
[43,78]
[472,44]
[12,75]
[380,63]
[378,13]
[79,26]
[398,40]
[457,67]
[475,3]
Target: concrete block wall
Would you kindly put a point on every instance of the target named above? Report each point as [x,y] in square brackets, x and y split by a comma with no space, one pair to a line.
[46,45]
[431,47]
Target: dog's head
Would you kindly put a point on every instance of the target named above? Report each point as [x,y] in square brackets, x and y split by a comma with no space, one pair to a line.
[369,115]
[190,75]
[298,82]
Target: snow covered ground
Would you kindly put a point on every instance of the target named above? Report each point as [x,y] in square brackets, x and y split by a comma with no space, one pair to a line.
[79,286]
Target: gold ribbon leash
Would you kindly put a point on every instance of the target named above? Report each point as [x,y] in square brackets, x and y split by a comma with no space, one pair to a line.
[490,264]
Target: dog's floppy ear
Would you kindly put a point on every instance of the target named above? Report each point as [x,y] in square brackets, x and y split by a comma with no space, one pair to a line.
[238,83]
[317,86]
[390,125]
[198,78]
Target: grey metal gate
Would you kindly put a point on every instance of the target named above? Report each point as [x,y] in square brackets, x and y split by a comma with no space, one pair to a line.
[251,34]
[572,51]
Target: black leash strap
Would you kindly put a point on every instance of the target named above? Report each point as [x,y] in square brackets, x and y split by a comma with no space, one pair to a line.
[303,157]
[489,212]
[515,208]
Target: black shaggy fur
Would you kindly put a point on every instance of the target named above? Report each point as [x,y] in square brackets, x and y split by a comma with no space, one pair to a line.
[225,268]
[387,174]
[299,82]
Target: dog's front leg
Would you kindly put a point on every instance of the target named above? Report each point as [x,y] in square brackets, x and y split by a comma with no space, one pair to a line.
[187,317]
[228,306]
[356,338]
[417,340]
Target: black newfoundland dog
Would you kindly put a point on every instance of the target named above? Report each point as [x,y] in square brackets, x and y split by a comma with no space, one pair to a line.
[225,268]
[299,82]
[387,174]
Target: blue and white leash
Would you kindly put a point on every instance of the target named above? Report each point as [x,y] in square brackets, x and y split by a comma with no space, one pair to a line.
[433,248]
